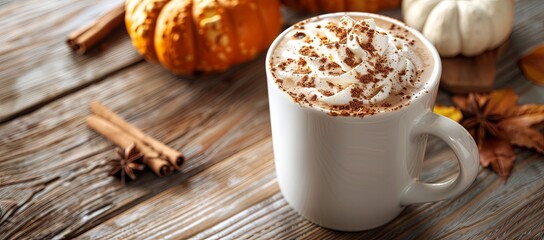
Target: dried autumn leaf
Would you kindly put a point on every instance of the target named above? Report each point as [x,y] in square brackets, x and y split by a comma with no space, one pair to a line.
[500,101]
[525,109]
[523,136]
[532,65]
[497,122]
[517,126]
[460,101]
[451,112]
[499,154]
[524,120]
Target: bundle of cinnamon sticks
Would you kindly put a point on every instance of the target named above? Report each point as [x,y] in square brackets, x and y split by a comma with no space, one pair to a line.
[159,157]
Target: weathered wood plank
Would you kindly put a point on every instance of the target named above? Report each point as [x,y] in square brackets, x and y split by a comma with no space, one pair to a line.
[488,203]
[37,67]
[475,214]
[52,167]
[464,216]
[53,173]
[526,34]
[179,220]
[207,198]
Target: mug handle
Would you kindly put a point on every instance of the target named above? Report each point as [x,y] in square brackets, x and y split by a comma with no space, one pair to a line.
[460,141]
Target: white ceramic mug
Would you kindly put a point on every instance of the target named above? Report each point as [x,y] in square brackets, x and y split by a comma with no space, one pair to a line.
[352,173]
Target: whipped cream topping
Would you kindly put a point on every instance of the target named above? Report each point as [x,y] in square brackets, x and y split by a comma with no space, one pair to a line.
[344,62]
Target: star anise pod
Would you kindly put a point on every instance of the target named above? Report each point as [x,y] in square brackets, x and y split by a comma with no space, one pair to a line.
[496,122]
[126,162]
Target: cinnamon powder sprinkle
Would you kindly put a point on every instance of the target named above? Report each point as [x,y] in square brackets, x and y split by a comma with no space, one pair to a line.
[365,78]
[305,70]
[332,65]
[354,105]
[299,35]
[378,70]
[386,104]
[349,53]
[300,25]
[308,51]
[382,68]
[307,82]
[350,60]
[354,108]
[326,93]
[356,92]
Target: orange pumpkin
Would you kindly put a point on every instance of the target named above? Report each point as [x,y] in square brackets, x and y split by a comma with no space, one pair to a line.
[186,36]
[316,6]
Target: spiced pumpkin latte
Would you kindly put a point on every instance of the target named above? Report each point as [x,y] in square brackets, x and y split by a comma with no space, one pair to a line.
[351,67]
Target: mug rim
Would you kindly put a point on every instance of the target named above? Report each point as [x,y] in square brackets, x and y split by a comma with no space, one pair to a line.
[431,84]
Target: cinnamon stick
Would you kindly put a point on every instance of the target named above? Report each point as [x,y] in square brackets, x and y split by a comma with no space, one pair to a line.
[151,158]
[173,156]
[84,38]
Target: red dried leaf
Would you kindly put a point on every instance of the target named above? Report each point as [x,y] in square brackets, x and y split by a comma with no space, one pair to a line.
[499,154]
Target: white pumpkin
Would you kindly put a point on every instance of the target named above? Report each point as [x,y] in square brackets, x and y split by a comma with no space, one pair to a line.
[467,27]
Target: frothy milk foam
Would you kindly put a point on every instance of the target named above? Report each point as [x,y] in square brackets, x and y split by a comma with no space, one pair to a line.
[351,67]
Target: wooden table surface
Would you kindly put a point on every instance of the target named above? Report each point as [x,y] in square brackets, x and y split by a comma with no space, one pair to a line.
[54,179]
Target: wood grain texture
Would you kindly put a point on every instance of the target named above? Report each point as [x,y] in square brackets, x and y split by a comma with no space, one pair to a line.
[487,203]
[208,198]
[472,215]
[53,171]
[36,65]
[53,167]
[466,216]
